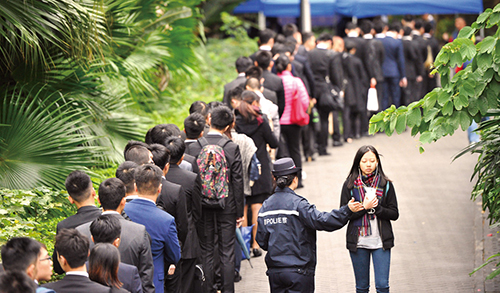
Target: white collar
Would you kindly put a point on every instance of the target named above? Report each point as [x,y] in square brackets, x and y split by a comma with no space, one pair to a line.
[368,36]
[190,140]
[213,132]
[322,46]
[380,36]
[241,74]
[353,34]
[265,48]
[110,213]
[391,34]
[427,35]
[407,38]
[78,273]
[415,33]
[134,196]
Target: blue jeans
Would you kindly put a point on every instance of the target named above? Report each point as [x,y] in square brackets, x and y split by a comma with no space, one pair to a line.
[361,265]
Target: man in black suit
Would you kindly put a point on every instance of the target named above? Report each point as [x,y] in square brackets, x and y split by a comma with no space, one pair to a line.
[107,229]
[172,199]
[433,49]
[414,68]
[222,221]
[266,42]
[135,243]
[191,184]
[242,64]
[327,68]
[422,50]
[264,60]
[81,193]
[23,254]
[256,72]
[72,251]
[194,126]
[125,172]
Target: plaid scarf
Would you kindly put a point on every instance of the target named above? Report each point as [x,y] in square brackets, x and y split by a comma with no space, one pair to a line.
[358,192]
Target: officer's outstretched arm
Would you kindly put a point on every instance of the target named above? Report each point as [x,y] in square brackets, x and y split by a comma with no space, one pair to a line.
[262,236]
[327,221]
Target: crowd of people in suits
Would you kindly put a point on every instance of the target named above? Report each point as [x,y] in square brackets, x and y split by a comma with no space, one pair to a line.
[159,227]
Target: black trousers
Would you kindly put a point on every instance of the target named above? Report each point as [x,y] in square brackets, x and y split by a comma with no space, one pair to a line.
[291,134]
[322,137]
[224,226]
[308,138]
[352,121]
[291,282]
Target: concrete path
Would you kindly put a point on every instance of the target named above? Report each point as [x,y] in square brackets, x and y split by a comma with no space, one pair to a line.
[435,245]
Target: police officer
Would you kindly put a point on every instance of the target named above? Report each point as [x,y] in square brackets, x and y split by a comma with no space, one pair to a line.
[287,225]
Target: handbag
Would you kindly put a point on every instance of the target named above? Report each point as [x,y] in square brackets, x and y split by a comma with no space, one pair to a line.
[372,100]
[298,115]
[331,99]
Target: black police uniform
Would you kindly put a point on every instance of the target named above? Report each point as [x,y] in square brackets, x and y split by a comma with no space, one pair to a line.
[287,225]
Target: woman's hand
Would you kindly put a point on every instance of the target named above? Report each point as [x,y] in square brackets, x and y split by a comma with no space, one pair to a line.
[354,206]
[370,204]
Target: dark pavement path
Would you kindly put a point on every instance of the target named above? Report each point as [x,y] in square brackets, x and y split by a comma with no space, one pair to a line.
[436,239]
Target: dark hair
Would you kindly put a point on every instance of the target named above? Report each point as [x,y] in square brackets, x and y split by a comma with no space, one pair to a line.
[419,23]
[266,35]
[236,92]
[307,36]
[284,180]
[254,71]
[263,59]
[136,151]
[289,29]
[73,246]
[161,154]
[354,173]
[324,37]
[245,108]
[406,31]
[278,48]
[279,39]
[199,107]
[104,261]
[222,117]
[19,253]
[282,63]
[290,46]
[243,63]
[366,26]
[395,26]
[106,228]
[78,185]
[148,179]
[111,193]
[176,148]
[408,18]
[125,173]
[428,27]
[16,282]
[350,26]
[378,26]
[160,132]
[194,125]
[214,104]
[253,83]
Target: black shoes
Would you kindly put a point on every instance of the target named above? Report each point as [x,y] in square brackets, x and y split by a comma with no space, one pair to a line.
[256,252]
[237,276]
[337,143]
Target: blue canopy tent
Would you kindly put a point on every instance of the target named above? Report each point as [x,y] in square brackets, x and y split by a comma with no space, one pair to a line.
[361,8]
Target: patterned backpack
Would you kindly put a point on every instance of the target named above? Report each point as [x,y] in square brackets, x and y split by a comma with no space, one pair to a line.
[214,173]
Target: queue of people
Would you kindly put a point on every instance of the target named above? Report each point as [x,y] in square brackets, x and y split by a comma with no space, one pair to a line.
[167,222]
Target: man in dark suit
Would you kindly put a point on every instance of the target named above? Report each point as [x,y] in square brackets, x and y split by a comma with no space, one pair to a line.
[191,184]
[81,193]
[222,221]
[421,45]
[327,68]
[159,224]
[134,245]
[256,72]
[393,67]
[23,254]
[242,64]
[433,49]
[72,251]
[172,199]
[266,42]
[194,127]
[263,59]
[125,172]
[414,68]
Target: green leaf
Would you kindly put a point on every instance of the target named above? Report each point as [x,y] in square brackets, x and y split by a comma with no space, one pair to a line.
[484,61]
[494,18]
[414,130]
[466,32]
[421,149]
[426,137]
[454,120]
[393,121]
[373,128]
[430,99]
[468,50]
[430,114]
[496,53]
[491,96]
[461,101]
[487,45]
[473,106]
[443,57]
[456,59]
[447,108]
[465,120]
[467,89]
[401,123]
[483,106]
[484,16]
[414,117]
[377,117]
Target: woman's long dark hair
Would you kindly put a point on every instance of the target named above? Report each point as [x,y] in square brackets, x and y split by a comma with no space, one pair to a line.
[281,63]
[245,108]
[354,173]
[284,180]
[104,260]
